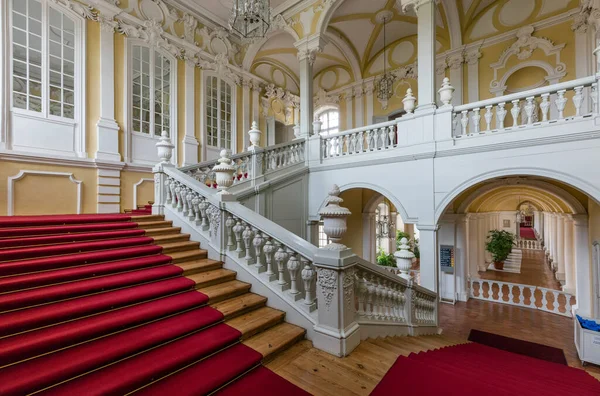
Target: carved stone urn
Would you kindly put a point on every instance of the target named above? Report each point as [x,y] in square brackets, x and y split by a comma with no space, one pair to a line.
[404,259]
[317,124]
[165,148]
[446,92]
[334,219]
[254,133]
[224,173]
[409,101]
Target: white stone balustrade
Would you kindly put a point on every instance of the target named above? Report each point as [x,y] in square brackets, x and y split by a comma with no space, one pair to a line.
[367,139]
[530,244]
[526,109]
[553,301]
[284,155]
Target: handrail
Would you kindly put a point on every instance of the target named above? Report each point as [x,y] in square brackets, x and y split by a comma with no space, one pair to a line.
[584,81]
[281,145]
[209,163]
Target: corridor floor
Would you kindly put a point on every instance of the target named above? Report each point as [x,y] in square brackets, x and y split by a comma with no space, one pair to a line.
[534,272]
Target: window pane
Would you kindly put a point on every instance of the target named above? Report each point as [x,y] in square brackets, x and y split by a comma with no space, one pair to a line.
[19,101]
[19,85]
[19,37]
[35,8]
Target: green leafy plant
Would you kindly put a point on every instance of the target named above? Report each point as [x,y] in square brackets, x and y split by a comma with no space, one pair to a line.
[385,260]
[499,244]
[413,243]
[416,250]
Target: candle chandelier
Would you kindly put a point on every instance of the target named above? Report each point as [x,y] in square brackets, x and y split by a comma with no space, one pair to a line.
[385,85]
[251,18]
[385,226]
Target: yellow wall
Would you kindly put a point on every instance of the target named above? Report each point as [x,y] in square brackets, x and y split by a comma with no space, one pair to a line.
[353,200]
[145,191]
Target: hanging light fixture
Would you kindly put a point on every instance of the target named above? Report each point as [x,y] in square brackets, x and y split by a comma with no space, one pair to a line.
[385,227]
[251,18]
[385,85]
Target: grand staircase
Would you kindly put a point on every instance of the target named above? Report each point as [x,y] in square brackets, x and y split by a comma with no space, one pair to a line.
[120,304]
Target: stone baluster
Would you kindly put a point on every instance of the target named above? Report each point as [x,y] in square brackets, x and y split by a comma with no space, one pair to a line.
[190,199]
[247,237]
[568,306]
[464,122]
[511,296]
[173,187]
[544,299]
[293,265]
[229,224]
[238,229]
[594,93]
[258,242]
[178,195]
[308,277]
[370,313]
[268,250]
[521,296]
[500,115]
[280,258]
[529,109]
[476,119]
[392,136]
[195,205]
[328,147]
[169,195]
[545,106]
[555,304]
[361,292]
[203,206]
[578,100]
[488,118]
[560,103]
[514,111]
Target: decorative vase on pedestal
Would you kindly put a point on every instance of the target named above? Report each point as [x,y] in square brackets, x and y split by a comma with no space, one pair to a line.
[165,148]
[317,126]
[446,92]
[404,259]
[409,101]
[254,135]
[334,219]
[224,173]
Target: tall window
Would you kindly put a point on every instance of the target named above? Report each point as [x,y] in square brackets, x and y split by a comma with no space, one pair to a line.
[323,240]
[151,92]
[44,52]
[219,113]
[331,122]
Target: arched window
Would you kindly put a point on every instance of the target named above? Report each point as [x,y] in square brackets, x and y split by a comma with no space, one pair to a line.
[47,75]
[331,121]
[220,99]
[152,100]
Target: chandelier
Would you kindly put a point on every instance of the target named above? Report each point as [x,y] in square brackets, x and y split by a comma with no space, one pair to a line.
[251,18]
[384,224]
[385,85]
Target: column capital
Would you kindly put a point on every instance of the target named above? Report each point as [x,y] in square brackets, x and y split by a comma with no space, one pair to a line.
[308,47]
[580,220]
[428,227]
[405,5]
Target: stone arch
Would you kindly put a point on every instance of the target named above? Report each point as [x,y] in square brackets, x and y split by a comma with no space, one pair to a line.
[254,48]
[552,77]
[565,178]
[329,8]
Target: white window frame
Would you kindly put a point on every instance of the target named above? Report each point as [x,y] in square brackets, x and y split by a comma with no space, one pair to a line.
[325,110]
[67,137]
[212,152]
[138,140]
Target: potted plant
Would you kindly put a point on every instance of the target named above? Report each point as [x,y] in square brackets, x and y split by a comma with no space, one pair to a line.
[385,260]
[499,244]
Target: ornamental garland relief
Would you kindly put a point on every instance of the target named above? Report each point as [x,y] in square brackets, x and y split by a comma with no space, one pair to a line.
[327,284]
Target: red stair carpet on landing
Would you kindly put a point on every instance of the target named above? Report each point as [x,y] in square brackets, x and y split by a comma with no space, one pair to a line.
[527,233]
[474,370]
[90,306]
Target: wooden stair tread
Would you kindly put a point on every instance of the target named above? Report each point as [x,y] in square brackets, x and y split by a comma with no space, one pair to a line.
[163,231]
[155,224]
[201,265]
[187,255]
[225,290]
[147,218]
[256,321]
[276,339]
[209,278]
[179,246]
[171,238]
[240,305]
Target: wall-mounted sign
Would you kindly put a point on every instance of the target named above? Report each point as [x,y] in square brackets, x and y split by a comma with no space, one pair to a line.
[447,258]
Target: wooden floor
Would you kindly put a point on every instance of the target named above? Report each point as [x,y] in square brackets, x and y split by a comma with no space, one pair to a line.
[534,271]
[322,374]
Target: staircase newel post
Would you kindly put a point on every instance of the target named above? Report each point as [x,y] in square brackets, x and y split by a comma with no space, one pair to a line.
[165,153]
[337,331]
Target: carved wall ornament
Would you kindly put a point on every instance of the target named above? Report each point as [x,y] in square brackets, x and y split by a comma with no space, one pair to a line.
[327,284]
[323,99]
[348,286]
[589,14]
[84,10]
[189,28]
[214,218]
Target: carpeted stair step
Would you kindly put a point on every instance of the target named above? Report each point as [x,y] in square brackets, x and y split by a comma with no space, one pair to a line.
[54,230]
[33,318]
[47,263]
[138,371]
[171,238]
[41,372]
[275,339]
[36,221]
[225,290]
[44,278]
[71,248]
[152,232]
[208,375]
[254,382]
[31,297]
[196,266]
[209,278]
[188,255]
[34,343]
[67,238]
[148,218]
[176,247]
[151,225]
[240,305]
[255,321]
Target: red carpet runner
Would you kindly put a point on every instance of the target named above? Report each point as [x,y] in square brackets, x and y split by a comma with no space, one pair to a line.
[527,233]
[475,369]
[90,306]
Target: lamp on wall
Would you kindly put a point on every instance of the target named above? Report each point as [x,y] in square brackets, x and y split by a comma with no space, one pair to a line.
[251,18]
[385,227]
[385,85]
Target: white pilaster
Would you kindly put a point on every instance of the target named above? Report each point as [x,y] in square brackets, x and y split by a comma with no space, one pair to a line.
[5,77]
[461,267]
[560,248]
[569,286]
[307,54]
[472,244]
[369,89]
[107,128]
[429,256]
[246,122]
[584,58]
[359,112]
[455,63]
[554,240]
[190,143]
[583,270]
[426,54]
[349,109]
[472,60]
[255,101]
